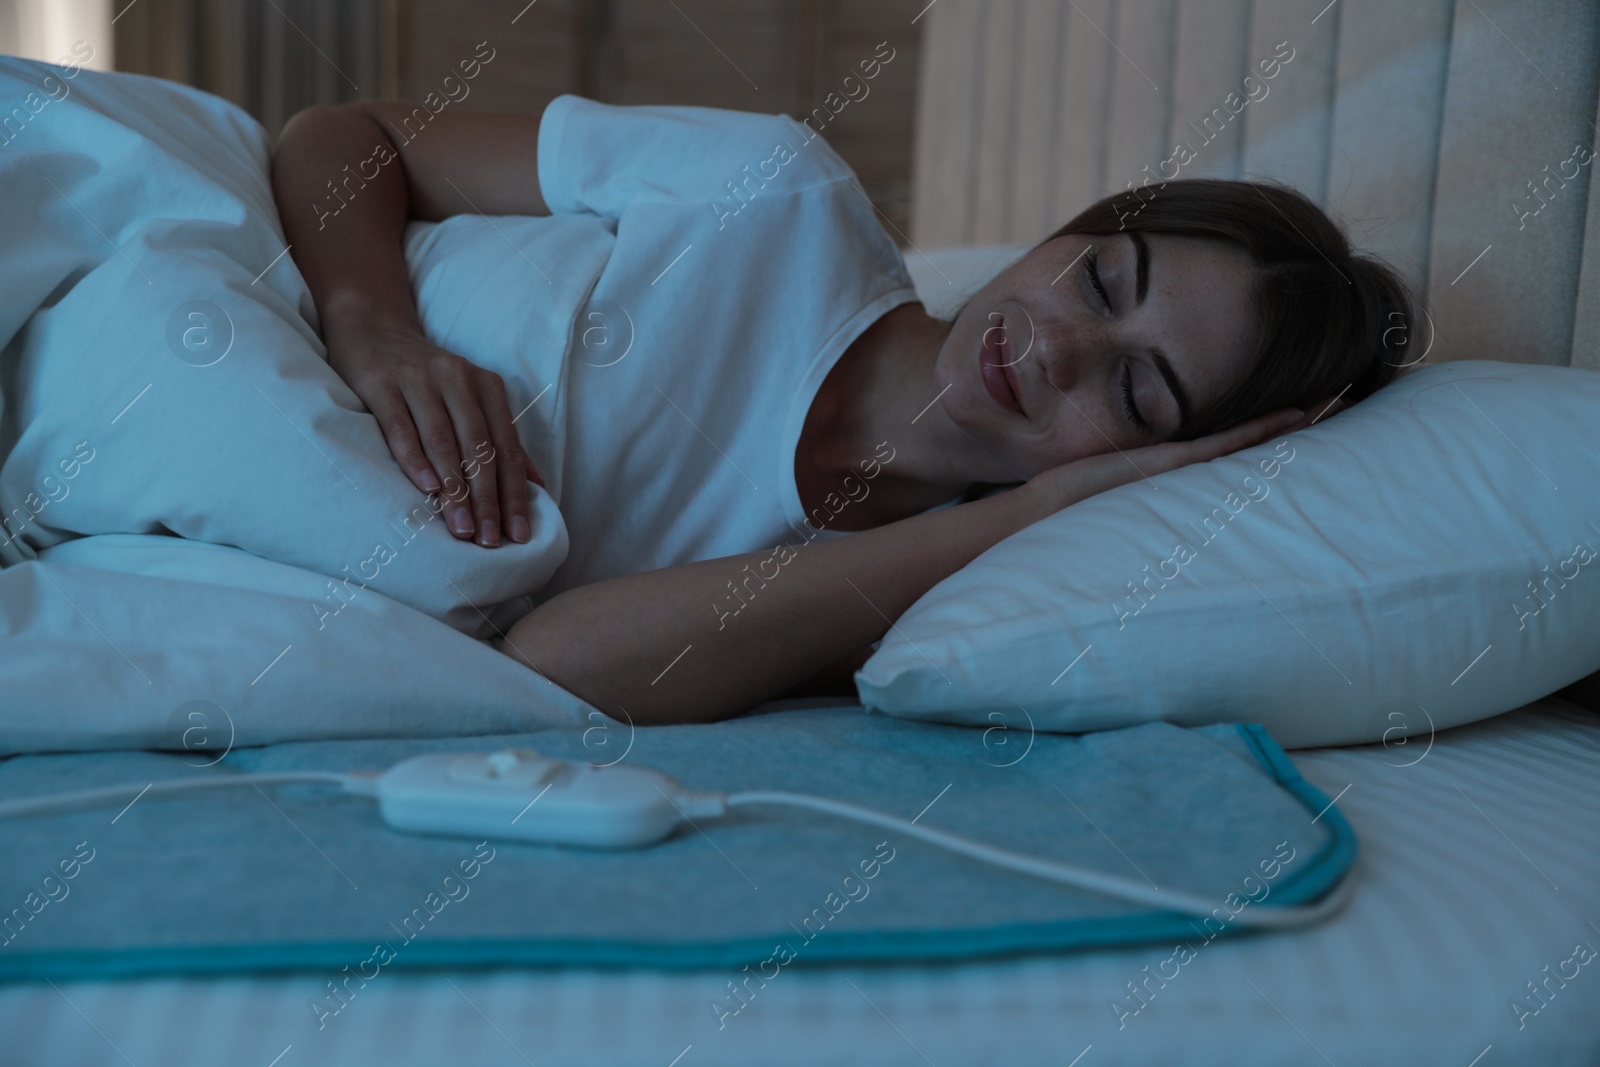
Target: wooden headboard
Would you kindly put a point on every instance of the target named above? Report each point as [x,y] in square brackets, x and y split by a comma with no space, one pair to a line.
[1449,136]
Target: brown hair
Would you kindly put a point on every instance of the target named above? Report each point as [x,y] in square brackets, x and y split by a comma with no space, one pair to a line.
[1332,319]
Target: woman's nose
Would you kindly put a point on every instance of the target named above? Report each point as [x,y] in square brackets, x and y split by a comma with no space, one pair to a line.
[1054,353]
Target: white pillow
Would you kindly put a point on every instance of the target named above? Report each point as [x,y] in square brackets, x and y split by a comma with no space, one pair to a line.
[947,277]
[1425,559]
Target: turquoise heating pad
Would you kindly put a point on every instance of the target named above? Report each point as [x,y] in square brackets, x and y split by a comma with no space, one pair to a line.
[307,877]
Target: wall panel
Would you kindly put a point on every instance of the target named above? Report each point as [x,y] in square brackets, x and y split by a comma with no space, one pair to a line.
[1085,82]
[1141,89]
[1519,97]
[996,148]
[943,175]
[1038,115]
[1287,134]
[1444,135]
[1209,65]
[1391,81]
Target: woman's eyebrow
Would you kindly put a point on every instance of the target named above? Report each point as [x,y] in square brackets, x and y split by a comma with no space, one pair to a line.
[1164,365]
[1141,273]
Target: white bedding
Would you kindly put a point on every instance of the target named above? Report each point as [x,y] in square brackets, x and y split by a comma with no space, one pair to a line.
[142,641]
[1479,866]
[177,345]
[161,374]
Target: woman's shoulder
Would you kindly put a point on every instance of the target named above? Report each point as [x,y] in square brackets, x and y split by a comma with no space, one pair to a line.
[709,141]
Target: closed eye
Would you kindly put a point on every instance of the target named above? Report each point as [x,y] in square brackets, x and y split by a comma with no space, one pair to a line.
[1092,268]
[1129,408]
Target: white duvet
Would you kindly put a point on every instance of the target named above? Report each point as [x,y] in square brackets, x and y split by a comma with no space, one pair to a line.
[162,375]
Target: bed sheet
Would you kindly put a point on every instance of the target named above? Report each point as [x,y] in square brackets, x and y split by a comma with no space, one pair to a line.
[1480,874]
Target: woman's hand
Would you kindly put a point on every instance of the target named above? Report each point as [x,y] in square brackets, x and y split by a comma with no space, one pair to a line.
[446,420]
[1063,486]
[449,425]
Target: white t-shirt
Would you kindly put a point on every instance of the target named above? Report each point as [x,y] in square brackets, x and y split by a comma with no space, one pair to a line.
[744,262]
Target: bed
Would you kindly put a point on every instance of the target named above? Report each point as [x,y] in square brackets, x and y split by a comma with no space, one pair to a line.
[1474,893]
[1480,857]
[1475,912]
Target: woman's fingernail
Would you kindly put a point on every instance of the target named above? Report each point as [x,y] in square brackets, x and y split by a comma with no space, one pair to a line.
[488,533]
[461,522]
[519,529]
[430,482]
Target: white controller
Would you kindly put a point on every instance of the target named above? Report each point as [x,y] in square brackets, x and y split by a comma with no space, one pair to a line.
[516,794]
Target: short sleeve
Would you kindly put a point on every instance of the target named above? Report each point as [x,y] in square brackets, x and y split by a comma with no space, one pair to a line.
[600,158]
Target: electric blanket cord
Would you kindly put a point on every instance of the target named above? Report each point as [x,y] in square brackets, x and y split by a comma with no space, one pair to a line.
[88,798]
[520,795]
[1063,874]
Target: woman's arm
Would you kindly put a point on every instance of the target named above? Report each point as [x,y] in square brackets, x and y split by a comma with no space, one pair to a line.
[347,179]
[663,646]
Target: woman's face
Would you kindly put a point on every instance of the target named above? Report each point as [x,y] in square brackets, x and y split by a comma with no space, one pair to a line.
[1045,368]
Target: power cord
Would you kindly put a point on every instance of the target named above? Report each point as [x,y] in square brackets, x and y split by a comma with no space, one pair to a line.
[517,794]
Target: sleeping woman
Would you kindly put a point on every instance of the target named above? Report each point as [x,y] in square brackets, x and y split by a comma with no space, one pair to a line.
[771,448]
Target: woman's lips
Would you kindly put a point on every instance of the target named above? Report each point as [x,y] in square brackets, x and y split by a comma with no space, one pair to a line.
[998,375]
